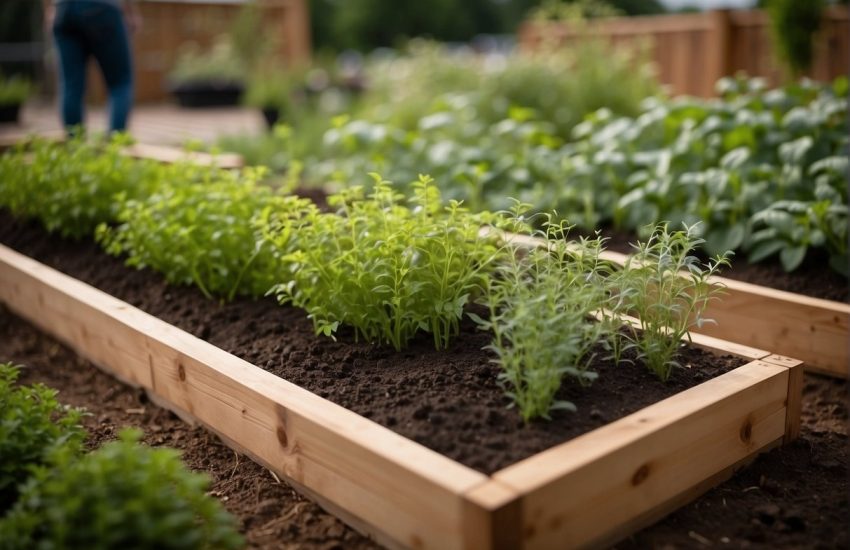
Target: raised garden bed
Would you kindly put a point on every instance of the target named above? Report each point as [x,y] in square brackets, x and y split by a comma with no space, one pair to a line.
[619,476]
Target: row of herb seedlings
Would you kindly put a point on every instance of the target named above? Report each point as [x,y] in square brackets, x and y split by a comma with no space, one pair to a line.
[391,268]
[55,495]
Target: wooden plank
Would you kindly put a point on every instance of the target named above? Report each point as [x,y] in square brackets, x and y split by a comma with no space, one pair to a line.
[403,491]
[812,330]
[8,140]
[613,475]
[169,155]
[794,402]
[493,516]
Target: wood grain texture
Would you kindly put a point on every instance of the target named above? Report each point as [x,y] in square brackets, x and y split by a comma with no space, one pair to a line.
[598,487]
[169,155]
[403,491]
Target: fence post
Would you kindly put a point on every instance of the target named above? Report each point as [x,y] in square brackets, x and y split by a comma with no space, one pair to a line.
[718,55]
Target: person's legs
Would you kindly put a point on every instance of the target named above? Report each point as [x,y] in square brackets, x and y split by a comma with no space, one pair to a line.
[73,54]
[110,45]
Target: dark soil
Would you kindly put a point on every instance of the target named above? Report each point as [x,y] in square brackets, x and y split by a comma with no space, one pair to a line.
[272,515]
[813,278]
[449,401]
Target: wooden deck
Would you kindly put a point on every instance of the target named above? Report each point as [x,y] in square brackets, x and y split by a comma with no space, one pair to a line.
[155,124]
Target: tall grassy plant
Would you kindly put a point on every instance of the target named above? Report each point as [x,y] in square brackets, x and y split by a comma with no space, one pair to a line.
[667,288]
[541,304]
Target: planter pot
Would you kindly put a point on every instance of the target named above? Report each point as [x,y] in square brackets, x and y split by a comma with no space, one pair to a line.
[10,114]
[589,491]
[208,94]
[271,115]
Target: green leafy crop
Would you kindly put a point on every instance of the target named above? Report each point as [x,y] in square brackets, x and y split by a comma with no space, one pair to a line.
[667,288]
[32,426]
[764,171]
[387,269]
[71,187]
[123,495]
[541,313]
[202,232]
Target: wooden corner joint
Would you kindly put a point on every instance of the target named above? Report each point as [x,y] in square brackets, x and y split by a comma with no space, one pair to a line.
[794,399]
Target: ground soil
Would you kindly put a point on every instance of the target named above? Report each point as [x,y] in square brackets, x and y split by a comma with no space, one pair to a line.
[813,278]
[795,497]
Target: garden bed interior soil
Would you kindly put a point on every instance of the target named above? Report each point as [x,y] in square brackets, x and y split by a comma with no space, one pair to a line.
[449,401]
[792,497]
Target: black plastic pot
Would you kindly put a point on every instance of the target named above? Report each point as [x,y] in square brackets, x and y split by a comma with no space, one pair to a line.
[10,113]
[208,94]
[271,115]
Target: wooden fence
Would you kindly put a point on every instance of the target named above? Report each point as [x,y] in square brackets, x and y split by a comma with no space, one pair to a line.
[168,24]
[691,52]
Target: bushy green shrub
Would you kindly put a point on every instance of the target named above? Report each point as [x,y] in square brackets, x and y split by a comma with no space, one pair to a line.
[14,90]
[202,233]
[121,496]
[387,269]
[33,425]
[72,187]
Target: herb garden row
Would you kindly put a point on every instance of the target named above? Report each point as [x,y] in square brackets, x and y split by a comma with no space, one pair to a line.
[407,273]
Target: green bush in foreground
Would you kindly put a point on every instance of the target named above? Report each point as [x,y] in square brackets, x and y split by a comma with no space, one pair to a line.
[121,496]
[32,425]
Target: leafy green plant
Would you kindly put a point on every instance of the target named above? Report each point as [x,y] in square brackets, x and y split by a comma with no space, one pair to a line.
[14,90]
[729,164]
[202,233]
[541,312]
[386,269]
[123,495]
[219,65]
[651,286]
[33,425]
[71,187]
[793,25]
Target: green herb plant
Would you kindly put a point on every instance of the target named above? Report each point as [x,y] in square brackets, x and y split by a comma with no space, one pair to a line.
[667,288]
[387,269]
[541,306]
[123,495]
[33,425]
[72,187]
[202,233]
[14,90]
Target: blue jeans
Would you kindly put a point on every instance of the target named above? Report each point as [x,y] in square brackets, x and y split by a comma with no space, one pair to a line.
[84,29]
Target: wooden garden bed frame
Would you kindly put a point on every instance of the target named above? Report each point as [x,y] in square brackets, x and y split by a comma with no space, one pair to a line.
[814,330]
[590,491]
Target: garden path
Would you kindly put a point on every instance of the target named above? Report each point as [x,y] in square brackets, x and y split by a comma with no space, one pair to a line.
[160,124]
